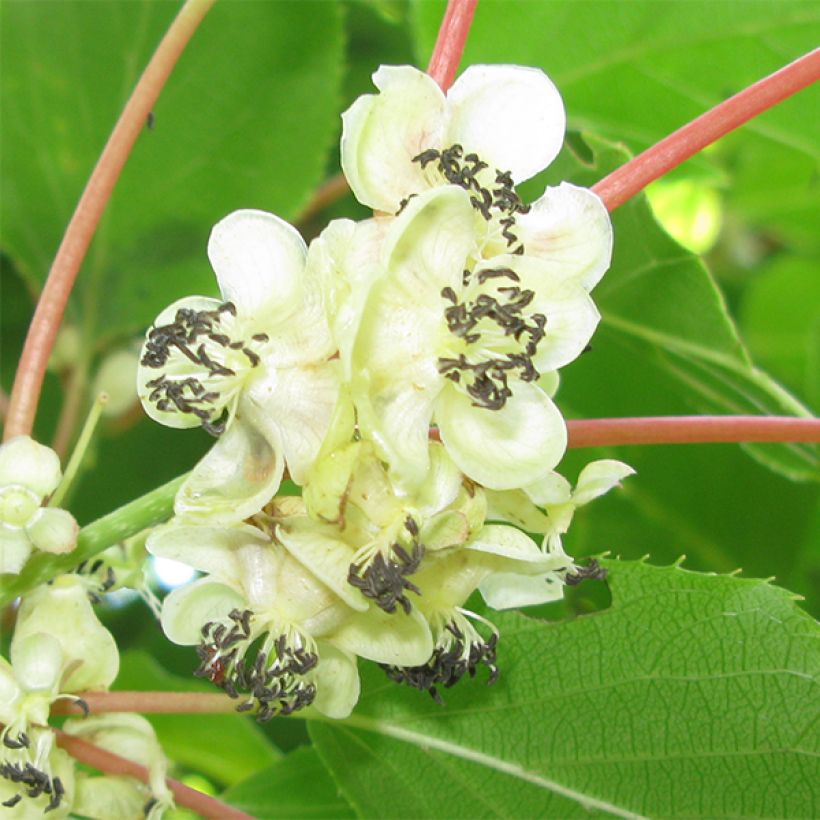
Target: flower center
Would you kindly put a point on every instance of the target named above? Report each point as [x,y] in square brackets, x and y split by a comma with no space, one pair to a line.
[492,194]
[279,680]
[204,364]
[459,650]
[17,505]
[382,576]
[497,336]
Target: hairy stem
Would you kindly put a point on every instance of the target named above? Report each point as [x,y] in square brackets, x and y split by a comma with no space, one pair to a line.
[691,430]
[42,332]
[671,151]
[109,763]
[145,511]
[452,37]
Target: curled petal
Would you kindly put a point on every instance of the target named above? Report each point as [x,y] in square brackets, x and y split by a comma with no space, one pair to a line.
[569,227]
[31,465]
[38,659]
[508,590]
[54,530]
[511,116]
[599,477]
[236,478]
[187,609]
[15,548]
[396,639]
[508,542]
[381,133]
[259,260]
[507,448]
[337,682]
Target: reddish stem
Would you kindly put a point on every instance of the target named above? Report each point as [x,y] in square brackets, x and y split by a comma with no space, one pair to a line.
[42,332]
[452,36]
[147,702]
[691,430]
[105,761]
[671,151]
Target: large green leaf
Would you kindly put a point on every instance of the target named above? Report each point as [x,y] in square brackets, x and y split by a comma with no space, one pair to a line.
[297,786]
[225,748]
[245,121]
[692,696]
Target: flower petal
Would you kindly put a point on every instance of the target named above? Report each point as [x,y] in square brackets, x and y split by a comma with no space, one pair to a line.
[381,133]
[599,477]
[299,401]
[551,488]
[38,659]
[508,590]
[511,116]
[31,465]
[259,260]
[188,608]
[397,639]
[236,478]
[15,548]
[337,682]
[508,542]
[507,448]
[569,227]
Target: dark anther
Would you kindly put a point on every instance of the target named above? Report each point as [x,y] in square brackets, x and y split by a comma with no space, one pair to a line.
[146,809]
[12,801]
[384,580]
[592,570]
[84,706]
[21,742]
[447,666]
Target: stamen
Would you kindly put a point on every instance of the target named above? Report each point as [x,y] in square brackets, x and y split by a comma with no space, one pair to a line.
[383,579]
[35,783]
[592,570]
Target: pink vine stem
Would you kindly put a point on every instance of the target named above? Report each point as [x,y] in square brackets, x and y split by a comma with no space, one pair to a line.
[109,763]
[452,37]
[28,380]
[691,430]
[635,175]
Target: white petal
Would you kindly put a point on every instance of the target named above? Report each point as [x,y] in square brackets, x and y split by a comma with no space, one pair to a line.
[207,549]
[551,488]
[187,609]
[54,531]
[507,590]
[15,548]
[381,133]
[514,507]
[237,477]
[511,116]
[508,542]
[337,682]
[326,557]
[443,483]
[109,796]
[502,449]
[396,639]
[25,462]
[259,261]
[38,658]
[300,402]
[599,477]
[569,227]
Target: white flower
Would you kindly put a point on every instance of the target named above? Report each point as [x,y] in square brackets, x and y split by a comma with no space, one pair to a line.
[497,126]
[29,474]
[253,368]
[461,341]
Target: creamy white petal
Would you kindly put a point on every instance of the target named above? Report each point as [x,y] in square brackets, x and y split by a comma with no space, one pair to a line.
[569,227]
[236,478]
[551,488]
[53,530]
[508,542]
[38,659]
[207,549]
[502,449]
[259,261]
[31,465]
[337,682]
[599,477]
[508,590]
[511,116]
[299,402]
[187,609]
[514,506]
[396,639]
[381,133]
[15,548]
[109,796]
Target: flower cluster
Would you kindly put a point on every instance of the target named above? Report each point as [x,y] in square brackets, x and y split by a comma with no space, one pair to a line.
[401,369]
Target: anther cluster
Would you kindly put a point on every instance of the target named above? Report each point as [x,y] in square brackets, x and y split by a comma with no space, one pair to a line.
[486,381]
[449,663]
[384,579]
[274,683]
[33,781]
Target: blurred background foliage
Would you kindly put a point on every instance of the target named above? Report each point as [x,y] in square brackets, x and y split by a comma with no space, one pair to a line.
[250,118]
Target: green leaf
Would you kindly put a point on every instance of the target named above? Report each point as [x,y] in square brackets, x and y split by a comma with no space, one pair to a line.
[692,696]
[245,121]
[225,748]
[295,787]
